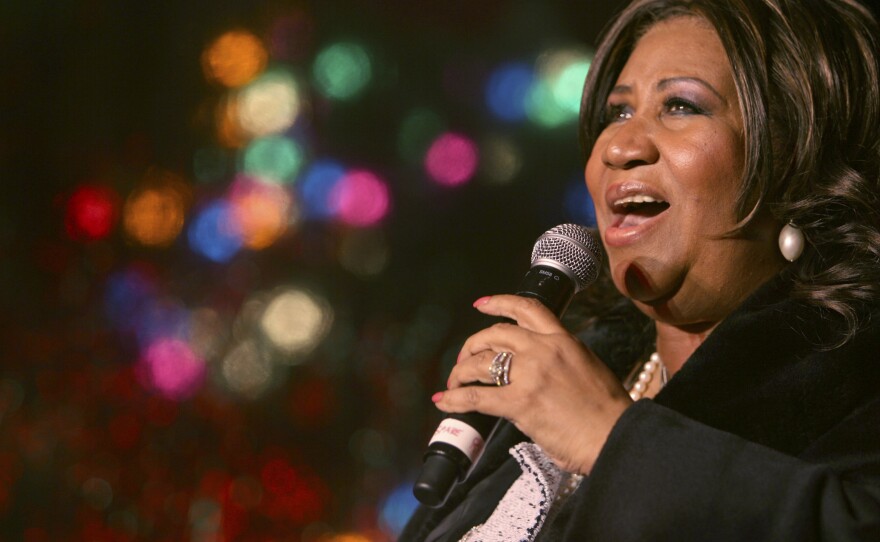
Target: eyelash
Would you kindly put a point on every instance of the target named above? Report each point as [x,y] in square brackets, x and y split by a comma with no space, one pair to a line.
[675,106]
[691,107]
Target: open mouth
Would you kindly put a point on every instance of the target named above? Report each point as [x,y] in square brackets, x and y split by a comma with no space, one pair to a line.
[634,210]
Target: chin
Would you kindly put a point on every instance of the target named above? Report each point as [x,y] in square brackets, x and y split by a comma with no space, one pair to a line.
[644,280]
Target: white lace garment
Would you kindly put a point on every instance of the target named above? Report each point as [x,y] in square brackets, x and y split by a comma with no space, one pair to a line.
[528,503]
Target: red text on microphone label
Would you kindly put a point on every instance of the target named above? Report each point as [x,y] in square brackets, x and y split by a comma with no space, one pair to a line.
[460,435]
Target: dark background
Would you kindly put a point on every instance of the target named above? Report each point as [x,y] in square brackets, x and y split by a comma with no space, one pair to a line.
[93,91]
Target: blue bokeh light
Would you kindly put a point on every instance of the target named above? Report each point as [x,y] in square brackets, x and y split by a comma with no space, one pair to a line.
[507,91]
[215,233]
[397,508]
[316,186]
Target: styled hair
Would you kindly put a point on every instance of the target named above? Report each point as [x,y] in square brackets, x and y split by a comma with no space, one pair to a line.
[808,80]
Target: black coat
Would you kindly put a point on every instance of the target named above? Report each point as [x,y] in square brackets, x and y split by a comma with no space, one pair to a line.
[762,435]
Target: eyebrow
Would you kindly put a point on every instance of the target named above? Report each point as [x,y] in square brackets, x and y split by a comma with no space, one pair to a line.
[625,89]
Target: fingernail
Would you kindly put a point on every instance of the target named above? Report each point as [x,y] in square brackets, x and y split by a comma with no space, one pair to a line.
[437,396]
[482,301]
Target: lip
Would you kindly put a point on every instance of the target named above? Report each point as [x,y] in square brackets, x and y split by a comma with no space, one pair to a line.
[620,231]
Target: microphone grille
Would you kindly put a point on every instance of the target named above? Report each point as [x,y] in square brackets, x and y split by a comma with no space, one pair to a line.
[572,249]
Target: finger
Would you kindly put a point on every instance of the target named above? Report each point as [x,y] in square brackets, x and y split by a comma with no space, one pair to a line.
[527,312]
[484,399]
[472,369]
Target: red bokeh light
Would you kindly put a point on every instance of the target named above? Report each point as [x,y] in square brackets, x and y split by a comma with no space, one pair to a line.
[92,212]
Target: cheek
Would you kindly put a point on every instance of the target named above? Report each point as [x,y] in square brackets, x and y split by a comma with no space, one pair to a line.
[592,174]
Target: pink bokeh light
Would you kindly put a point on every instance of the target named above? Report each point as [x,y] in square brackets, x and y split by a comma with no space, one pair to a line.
[452,159]
[360,198]
[170,367]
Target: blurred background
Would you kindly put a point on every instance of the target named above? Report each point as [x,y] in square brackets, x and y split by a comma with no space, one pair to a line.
[239,243]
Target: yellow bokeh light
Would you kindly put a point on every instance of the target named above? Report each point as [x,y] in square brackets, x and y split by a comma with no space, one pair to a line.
[296,321]
[234,59]
[155,211]
[268,105]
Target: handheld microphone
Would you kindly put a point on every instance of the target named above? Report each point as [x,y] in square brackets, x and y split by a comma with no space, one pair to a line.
[565,259]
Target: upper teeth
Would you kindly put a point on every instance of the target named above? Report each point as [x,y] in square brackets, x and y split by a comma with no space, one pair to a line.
[639,198]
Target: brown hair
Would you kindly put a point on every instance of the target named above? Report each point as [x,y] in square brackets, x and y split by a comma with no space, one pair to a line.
[808,80]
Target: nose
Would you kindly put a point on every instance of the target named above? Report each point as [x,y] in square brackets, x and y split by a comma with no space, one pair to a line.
[630,145]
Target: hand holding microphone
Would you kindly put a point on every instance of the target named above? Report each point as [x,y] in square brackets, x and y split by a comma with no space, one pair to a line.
[551,374]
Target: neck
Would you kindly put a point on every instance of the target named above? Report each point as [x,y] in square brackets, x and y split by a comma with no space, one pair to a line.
[675,344]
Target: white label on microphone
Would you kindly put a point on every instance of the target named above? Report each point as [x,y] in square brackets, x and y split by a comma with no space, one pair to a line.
[461,435]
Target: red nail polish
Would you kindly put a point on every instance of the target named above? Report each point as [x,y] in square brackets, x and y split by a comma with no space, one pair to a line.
[482,301]
[437,396]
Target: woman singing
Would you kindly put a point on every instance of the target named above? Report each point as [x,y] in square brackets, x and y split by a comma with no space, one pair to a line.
[734,162]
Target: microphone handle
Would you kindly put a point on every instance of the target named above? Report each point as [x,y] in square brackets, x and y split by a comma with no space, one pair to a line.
[460,439]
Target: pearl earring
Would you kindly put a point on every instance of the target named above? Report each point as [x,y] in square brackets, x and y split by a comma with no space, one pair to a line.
[791,242]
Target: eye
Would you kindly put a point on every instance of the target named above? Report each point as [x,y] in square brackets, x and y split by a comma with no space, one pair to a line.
[616,113]
[680,106]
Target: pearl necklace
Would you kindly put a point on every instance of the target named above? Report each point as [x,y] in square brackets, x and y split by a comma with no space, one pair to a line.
[571,481]
[637,391]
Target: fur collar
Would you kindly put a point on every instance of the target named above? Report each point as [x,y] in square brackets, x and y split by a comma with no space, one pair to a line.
[761,374]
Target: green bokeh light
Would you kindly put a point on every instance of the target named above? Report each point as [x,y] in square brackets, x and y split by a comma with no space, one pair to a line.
[555,96]
[277,159]
[569,85]
[542,107]
[342,70]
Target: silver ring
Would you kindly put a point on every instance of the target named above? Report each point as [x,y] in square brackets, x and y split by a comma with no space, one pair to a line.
[500,368]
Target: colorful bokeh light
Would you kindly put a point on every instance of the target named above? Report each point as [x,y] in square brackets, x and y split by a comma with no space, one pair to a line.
[217,323]
[215,232]
[542,107]
[397,508]
[155,211]
[91,213]
[261,212]
[342,70]
[234,59]
[170,367]
[296,321]
[360,198]
[269,105]
[508,89]
[452,159]
[316,187]
[555,97]
[273,159]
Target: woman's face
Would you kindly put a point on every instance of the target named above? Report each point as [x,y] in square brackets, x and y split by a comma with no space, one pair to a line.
[664,175]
